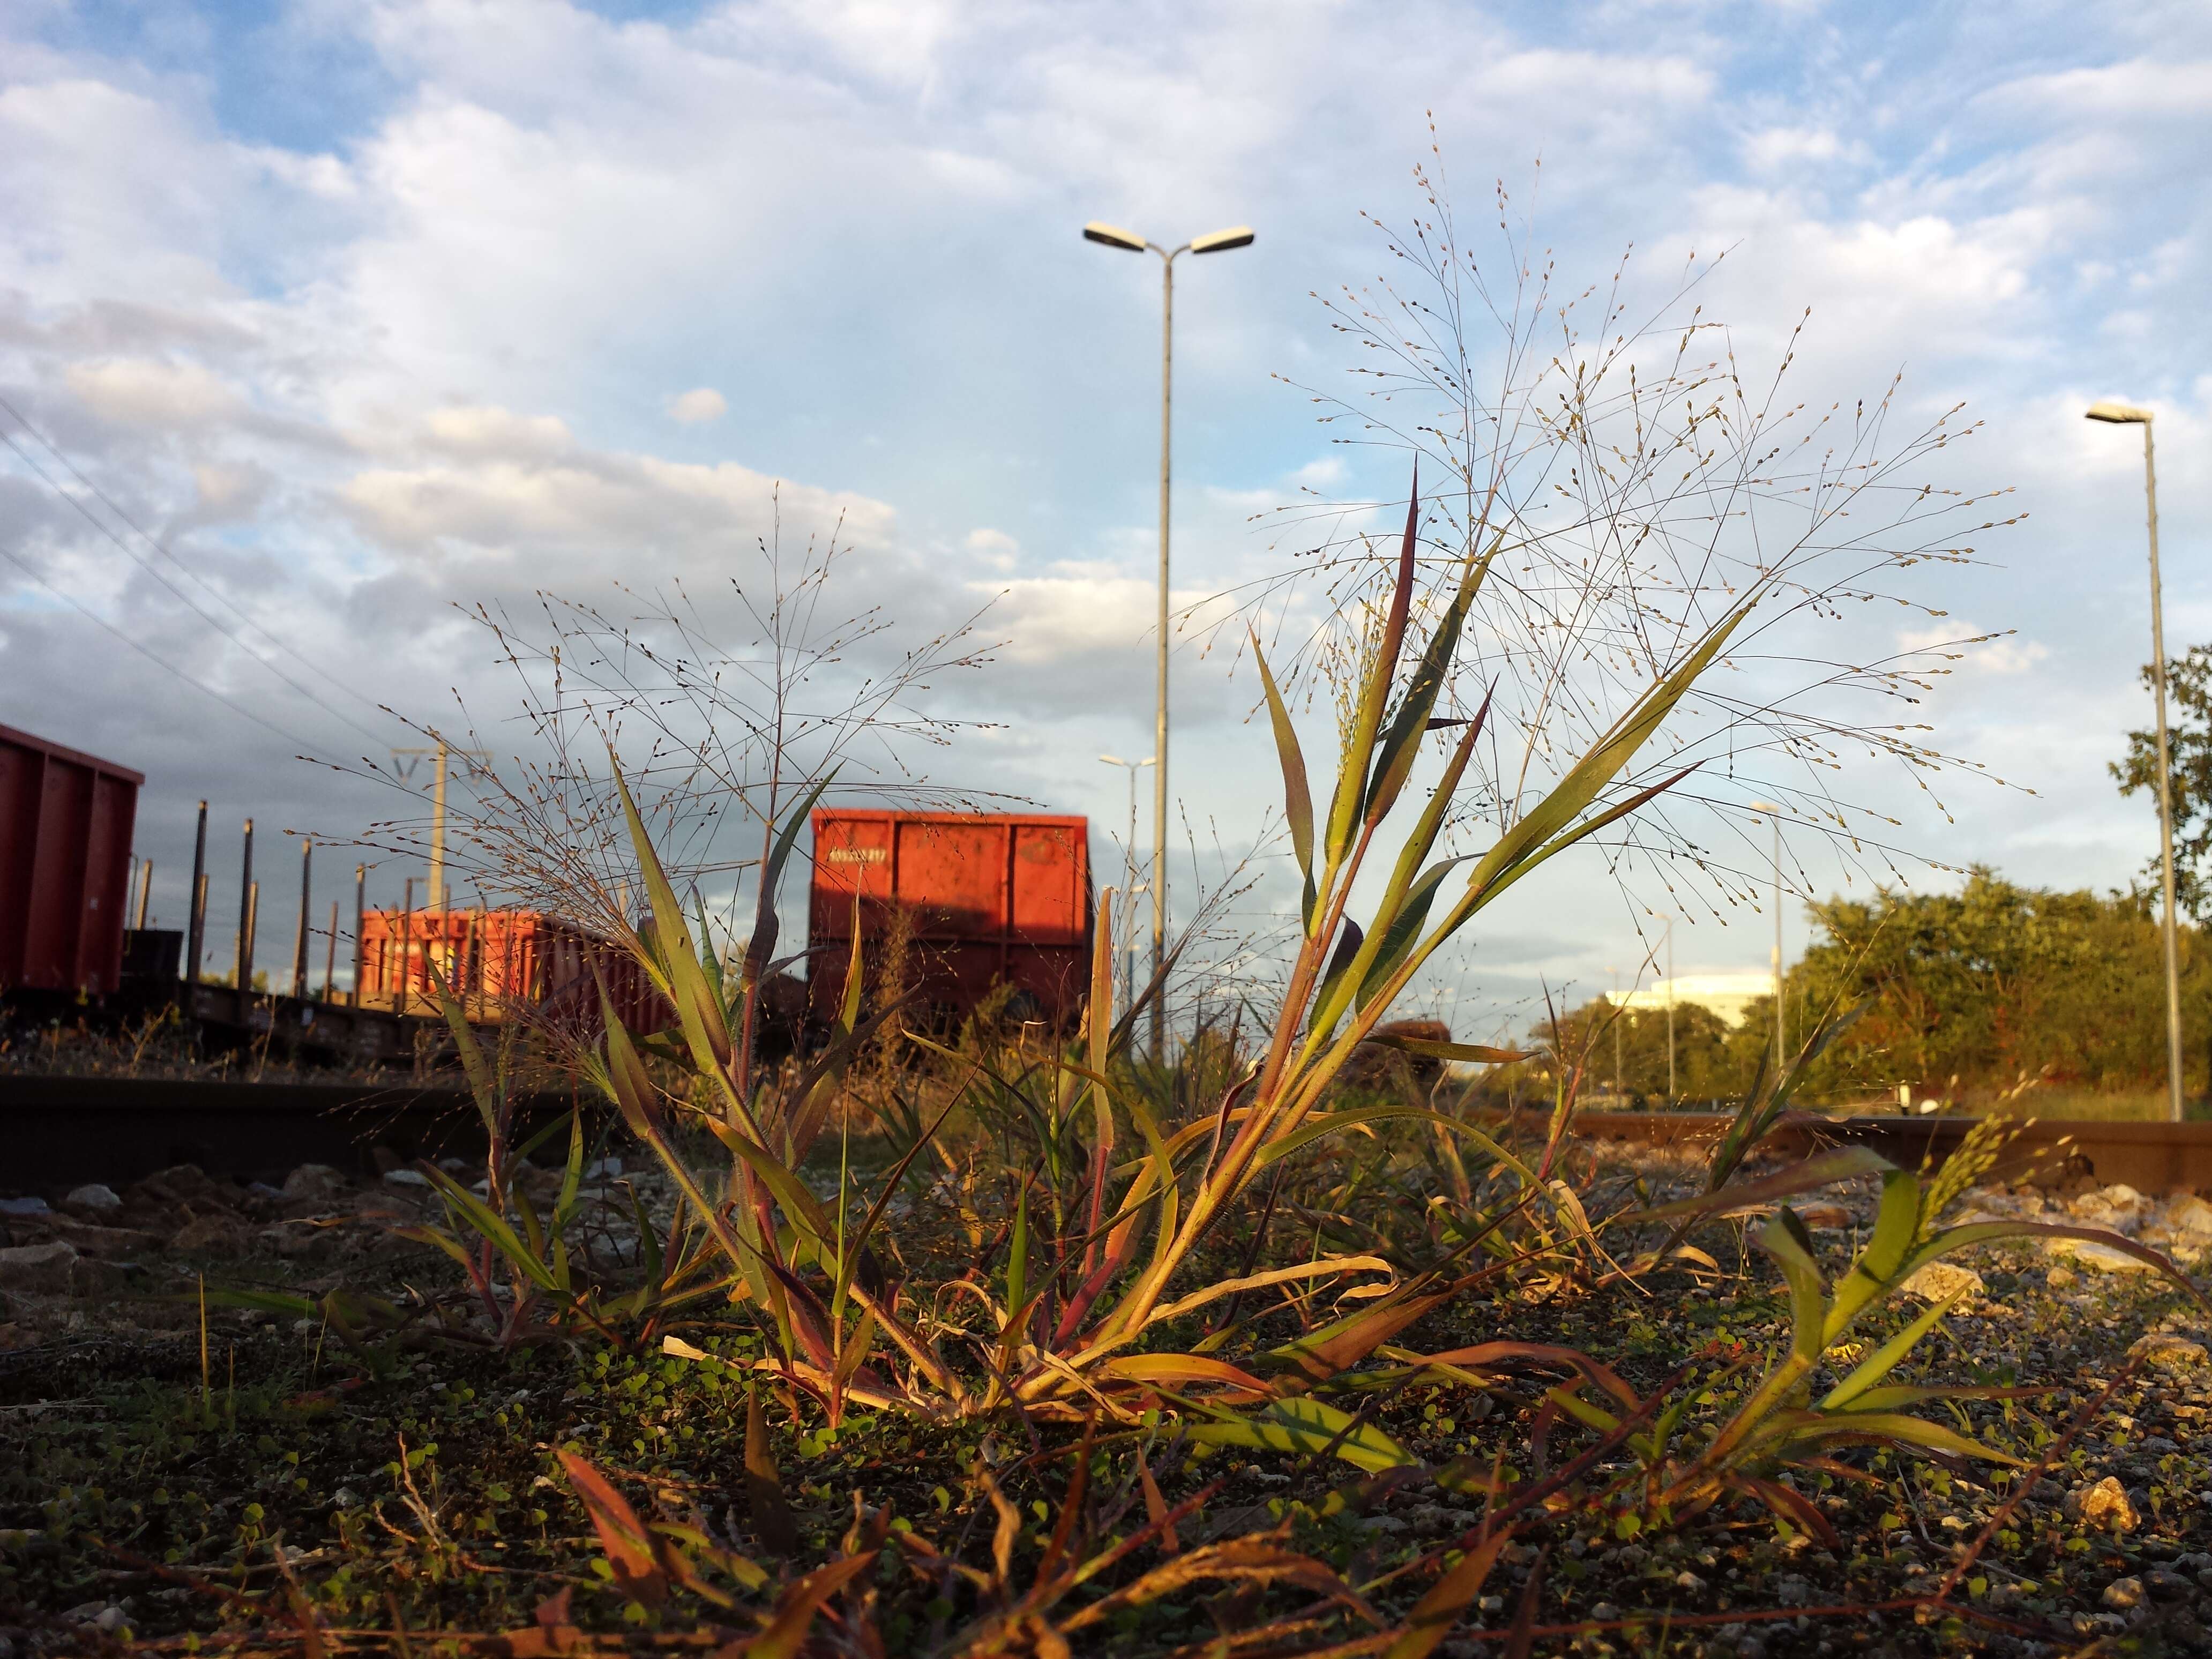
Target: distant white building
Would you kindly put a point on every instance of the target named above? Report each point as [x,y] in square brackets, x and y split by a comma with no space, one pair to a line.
[1729,995]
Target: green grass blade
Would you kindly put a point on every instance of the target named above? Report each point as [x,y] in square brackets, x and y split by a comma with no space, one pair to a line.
[1784,1238]
[1297,794]
[1877,1365]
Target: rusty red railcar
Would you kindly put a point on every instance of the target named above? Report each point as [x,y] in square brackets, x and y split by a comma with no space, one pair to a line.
[66,824]
[989,899]
[503,964]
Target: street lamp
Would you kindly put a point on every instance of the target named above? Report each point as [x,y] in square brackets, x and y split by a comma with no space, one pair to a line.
[1780,1040]
[2127,415]
[1129,877]
[1219,241]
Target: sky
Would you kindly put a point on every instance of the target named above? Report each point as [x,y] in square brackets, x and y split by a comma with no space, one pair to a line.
[322,325]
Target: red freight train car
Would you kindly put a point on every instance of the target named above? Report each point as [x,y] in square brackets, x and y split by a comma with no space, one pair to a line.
[501,961]
[65,823]
[990,898]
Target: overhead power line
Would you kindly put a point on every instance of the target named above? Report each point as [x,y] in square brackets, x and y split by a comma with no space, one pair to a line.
[184,598]
[85,611]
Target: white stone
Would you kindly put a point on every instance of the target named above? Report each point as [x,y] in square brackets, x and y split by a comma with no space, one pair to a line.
[94,1196]
[32,1206]
[2189,1217]
[37,1267]
[2098,1258]
[312,1181]
[2124,1593]
[405,1178]
[2165,1348]
[2091,1210]
[1940,1279]
[2107,1504]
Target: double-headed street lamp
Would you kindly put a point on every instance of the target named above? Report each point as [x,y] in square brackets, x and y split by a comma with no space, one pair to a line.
[2127,415]
[1219,241]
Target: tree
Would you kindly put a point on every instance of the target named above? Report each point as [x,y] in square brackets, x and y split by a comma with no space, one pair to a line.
[1991,981]
[1703,1066]
[2189,745]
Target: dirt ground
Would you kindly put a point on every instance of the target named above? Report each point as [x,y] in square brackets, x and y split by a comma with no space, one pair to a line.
[139,1464]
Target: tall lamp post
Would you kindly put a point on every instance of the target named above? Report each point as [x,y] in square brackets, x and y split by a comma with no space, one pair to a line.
[1219,241]
[1129,876]
[2127,415]
[1781,1040]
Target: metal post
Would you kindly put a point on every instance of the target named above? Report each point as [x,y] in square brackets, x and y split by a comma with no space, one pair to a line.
[299,945]
[2165,794]
[145,891]
[1160,723]
[196,902]
[359,918]
[246,920]
[1670,1010]
[330,955]
[253,926]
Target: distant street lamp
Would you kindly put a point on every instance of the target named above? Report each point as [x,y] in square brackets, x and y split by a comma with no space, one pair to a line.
[1781,1040]
[1128,876]
[1219,241]
[2126,415]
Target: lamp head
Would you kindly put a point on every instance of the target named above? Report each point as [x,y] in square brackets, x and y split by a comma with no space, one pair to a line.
[2116,414]
[1113,236]
[1220,241]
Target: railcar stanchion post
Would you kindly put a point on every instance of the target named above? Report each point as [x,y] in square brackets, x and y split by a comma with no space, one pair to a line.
[252,930]
[404,956]
[330,955]
[360,917]
[196,902]
[299,945]
[246,921]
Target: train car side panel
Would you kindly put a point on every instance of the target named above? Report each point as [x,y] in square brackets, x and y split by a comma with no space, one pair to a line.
[986,900]
[65,826]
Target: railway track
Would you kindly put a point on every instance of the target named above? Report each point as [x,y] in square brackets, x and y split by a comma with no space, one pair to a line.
[2152,1158]
[55,1131]
[58,1131]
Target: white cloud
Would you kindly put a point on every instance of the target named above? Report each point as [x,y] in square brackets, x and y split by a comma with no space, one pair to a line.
[140,392]
[994,548]
[1772,150]
[701,402]
[1963,649]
